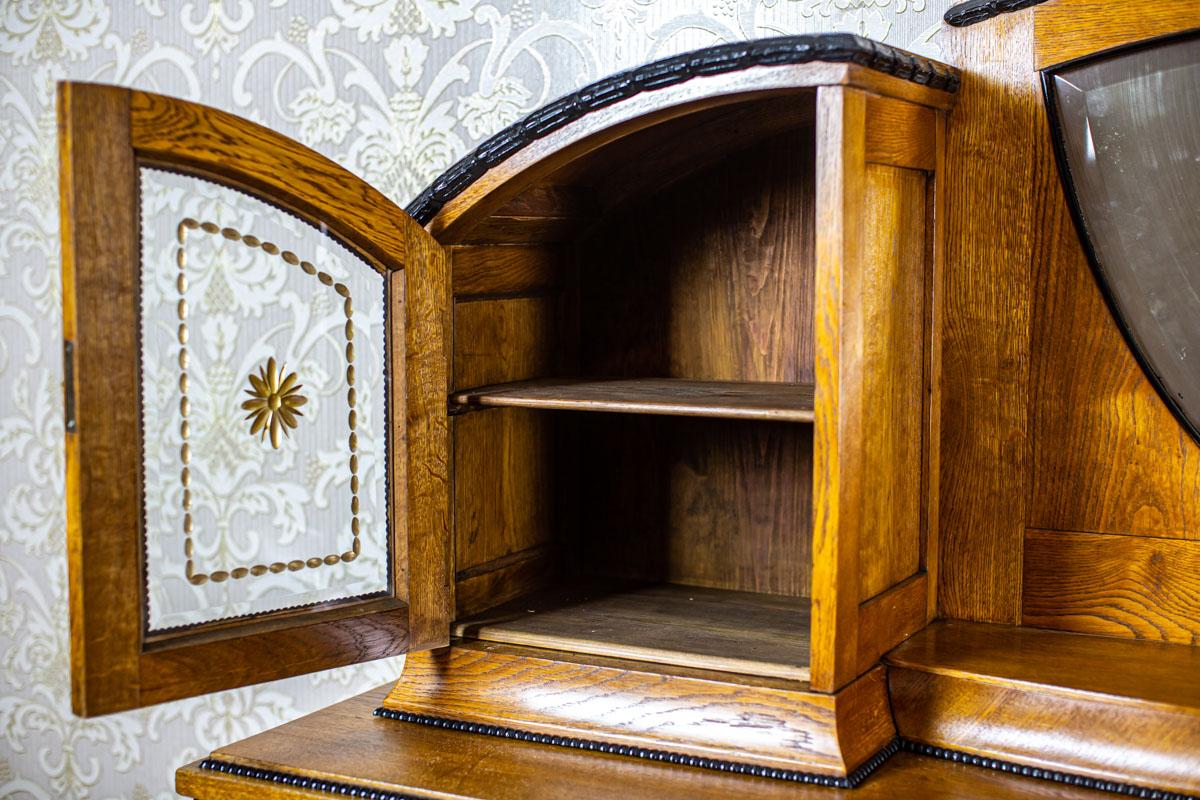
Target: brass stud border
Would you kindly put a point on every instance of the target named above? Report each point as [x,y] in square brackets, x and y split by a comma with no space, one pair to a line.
[185,453]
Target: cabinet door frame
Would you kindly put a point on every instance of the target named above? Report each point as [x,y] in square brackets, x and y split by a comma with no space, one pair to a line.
[105,134]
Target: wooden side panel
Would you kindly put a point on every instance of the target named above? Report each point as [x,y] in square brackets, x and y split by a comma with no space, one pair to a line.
[496,341]
[1113,585]
[504,484]
[841,421]
[995,136]
[892,391]
[761,721]
[104,503]
[1108,456]
[490,270]
[426,382]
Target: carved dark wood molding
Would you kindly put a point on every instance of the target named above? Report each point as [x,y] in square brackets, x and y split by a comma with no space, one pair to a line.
[829,47]
[973,11]
[682,759]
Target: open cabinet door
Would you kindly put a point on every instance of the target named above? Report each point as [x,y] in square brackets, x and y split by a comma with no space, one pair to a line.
[255,380]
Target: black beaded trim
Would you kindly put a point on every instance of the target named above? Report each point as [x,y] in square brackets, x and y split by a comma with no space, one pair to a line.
[303,781]
[829,47]
[849,782]
[973,11]
[1044,774]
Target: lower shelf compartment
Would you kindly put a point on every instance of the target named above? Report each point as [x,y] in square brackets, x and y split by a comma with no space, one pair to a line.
[686,626]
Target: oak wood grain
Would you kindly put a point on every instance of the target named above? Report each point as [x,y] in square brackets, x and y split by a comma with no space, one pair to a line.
[720,503]
[1067,30]
[1111,709]
[500,270]
[505,483]
[511,339]
[99,191]
[1107,455]
[500,580]
[627,703]
[892,355]
[992,145]
[1131,586]
[900,134]
[839,471]
[345,742]
[890,617]
[783,402]
[689,626]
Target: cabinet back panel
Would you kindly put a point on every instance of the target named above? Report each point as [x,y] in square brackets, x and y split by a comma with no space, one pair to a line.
[719,503]
[710,279]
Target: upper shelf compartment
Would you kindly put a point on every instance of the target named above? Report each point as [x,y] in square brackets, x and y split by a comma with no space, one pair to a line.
[557,135]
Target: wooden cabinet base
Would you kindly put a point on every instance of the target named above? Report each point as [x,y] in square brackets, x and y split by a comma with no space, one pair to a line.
[1112,710]
[342,751]
[754,725]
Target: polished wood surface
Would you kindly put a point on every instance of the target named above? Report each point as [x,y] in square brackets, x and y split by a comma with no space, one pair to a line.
[1113,585]
[1067,30]
[343,743]
[687,626]
[106,133]
[98,190]
[893,359]
[875,368]
[759,720]
[1105,708]
[838,471]
[484,271]
[784,402]
[994,142]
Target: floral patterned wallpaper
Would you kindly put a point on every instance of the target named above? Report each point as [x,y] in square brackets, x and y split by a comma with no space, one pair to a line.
[396,90]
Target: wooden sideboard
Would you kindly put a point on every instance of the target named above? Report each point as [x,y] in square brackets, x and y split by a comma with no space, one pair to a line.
[750,412]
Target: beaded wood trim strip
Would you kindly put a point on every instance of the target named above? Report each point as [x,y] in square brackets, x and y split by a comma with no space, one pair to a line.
[181,284]
[1041,773]
[850,781]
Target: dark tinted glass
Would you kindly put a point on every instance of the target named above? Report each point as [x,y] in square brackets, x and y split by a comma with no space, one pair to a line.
[1129,131]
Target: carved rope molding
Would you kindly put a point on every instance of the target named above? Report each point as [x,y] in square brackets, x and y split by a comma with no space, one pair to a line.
[779,51]
[973,11]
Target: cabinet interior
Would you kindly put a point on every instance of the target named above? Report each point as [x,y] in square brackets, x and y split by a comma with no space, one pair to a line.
[634,448]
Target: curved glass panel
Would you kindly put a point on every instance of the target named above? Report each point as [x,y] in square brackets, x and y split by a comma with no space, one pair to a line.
[263,408]
[1128,129]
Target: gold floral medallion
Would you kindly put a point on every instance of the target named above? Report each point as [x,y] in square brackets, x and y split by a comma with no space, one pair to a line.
[275,402]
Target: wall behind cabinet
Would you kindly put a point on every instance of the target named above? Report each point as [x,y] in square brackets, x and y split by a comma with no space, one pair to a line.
[395,90]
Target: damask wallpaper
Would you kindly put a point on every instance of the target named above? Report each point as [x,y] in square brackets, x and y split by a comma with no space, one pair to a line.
[395,90]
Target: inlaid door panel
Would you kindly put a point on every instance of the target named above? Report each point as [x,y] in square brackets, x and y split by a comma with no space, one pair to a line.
[256,382]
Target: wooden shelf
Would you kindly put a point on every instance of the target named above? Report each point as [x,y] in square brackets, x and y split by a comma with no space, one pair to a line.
[780,402]
[687,626]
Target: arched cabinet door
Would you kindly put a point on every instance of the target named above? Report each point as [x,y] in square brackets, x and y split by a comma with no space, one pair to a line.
[255,386]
